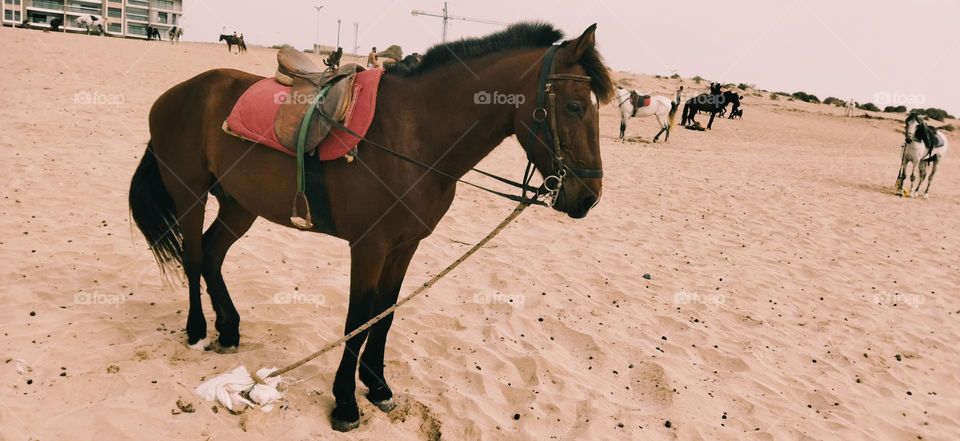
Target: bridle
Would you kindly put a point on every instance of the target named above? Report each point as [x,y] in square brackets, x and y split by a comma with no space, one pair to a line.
[545,121]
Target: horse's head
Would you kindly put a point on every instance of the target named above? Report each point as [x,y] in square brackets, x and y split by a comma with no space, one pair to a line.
[915,128]
[566,148]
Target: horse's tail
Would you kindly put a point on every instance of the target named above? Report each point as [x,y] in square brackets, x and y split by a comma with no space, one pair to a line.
[672,117]
[154,212]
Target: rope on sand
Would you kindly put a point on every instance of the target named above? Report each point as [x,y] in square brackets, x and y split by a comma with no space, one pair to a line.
[238,379]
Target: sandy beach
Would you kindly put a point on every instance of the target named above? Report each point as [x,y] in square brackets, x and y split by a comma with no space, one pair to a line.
[759,281]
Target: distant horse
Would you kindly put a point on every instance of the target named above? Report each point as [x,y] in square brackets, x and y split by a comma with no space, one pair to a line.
[922,146]
[232,40]
[92,22]
[660,106]
[55,24]
[175,34]
[153,32]
[850,107]
[711,103]
[389,198]
[736,113]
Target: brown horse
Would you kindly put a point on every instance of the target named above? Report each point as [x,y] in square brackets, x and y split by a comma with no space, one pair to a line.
[429,113]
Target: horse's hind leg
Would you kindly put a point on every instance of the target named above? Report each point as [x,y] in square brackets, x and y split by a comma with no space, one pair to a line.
[922,165]
[190,202]
[232,222]
[371,362]
[933,171]
[663,128]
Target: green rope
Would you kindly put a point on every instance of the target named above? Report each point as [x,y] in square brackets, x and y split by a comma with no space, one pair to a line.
[302,136]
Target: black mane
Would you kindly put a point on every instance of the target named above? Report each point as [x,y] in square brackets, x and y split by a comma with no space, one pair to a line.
[517,36]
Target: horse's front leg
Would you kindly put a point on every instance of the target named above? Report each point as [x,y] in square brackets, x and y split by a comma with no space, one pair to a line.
[371,362]
[366,265]
[901,176]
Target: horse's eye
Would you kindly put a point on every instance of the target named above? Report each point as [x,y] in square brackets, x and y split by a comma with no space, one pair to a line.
[574,107]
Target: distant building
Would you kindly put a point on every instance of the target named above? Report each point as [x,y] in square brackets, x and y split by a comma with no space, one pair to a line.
[124,18]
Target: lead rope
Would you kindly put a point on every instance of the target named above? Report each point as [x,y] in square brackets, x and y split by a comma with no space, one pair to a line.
[423,288]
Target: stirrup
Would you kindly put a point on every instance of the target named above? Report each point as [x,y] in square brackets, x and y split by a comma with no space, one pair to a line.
[302,223]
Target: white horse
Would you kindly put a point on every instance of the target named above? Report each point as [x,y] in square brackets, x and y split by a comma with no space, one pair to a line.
[923,146]
[665,110]
[91,21]
[174,34]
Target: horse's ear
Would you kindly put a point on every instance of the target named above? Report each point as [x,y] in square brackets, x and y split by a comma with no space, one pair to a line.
[586,41]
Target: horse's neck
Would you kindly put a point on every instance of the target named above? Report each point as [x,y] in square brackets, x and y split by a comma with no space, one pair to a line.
[449,127]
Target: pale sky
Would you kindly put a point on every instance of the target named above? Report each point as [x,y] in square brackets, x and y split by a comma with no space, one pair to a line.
[868,50]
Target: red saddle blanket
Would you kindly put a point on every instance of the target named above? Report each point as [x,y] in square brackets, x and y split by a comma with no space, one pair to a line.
[253,115]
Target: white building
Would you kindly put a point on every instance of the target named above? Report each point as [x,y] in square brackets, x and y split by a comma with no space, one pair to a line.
[125,18]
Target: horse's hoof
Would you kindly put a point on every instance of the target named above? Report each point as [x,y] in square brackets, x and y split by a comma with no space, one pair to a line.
[344,426]
[229,339]
[199,345]
[221,349]
[926,196]
[345,418]
[385,405]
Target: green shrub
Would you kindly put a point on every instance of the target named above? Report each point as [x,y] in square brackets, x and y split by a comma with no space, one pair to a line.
[774,97]
[743,86]
[933,113]
[675,76]
[806,97]
[869,107]
[393,51]
[949,128]
[895,109]
[697,79]
[835,101]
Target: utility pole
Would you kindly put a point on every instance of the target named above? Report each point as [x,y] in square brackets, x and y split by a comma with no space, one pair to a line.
[338,33]
[447,17]
[356,33]
[317,42]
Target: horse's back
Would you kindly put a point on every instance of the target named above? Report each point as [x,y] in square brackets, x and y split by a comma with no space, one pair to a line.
[210,94]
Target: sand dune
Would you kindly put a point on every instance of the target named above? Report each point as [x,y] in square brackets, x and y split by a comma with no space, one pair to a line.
[790,295]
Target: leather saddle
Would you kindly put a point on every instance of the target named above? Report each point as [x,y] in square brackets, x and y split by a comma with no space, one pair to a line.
[307,80]
[638,101]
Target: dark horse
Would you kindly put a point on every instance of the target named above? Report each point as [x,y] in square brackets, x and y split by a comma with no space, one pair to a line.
[712,103]
[234,40]
[428,114]
[152,33]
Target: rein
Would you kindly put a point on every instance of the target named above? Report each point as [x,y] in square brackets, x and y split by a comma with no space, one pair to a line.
[551,186]
[545,97]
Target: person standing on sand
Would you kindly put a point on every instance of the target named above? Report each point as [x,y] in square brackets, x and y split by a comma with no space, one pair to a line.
[372,58]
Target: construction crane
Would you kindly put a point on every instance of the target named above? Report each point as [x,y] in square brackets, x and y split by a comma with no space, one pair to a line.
[447,17]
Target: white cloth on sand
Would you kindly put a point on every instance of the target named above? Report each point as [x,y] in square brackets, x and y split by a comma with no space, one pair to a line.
[227,389]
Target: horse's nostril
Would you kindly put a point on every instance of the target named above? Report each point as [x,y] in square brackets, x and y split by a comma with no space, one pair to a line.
[588,202]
